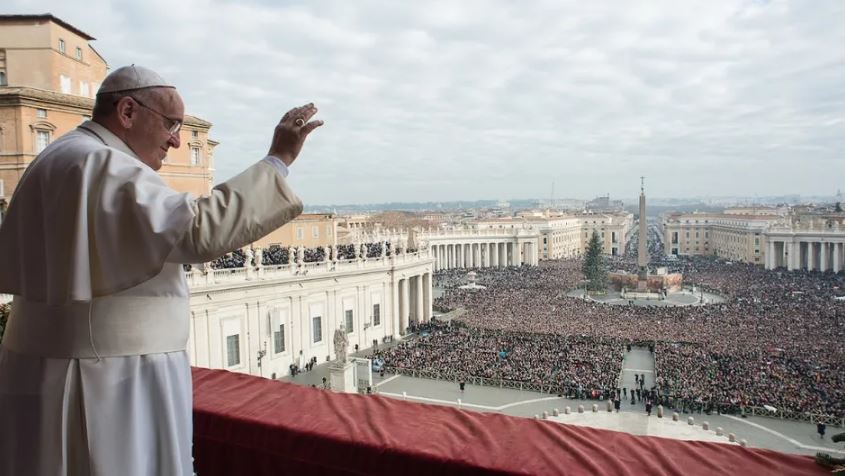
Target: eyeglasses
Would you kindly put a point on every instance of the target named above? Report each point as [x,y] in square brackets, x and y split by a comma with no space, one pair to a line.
[172,125]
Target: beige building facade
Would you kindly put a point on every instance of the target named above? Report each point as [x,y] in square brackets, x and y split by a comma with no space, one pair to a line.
[39,57]
[613,230]
[789,239]
[44,52]
[527,239]
[311,230]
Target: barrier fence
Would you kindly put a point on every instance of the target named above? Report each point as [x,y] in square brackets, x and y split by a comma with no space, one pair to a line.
[830,420]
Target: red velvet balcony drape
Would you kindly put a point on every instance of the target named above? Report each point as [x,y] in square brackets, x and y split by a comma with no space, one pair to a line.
[246,425]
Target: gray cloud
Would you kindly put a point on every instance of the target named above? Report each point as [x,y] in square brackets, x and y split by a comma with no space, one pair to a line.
[465,100]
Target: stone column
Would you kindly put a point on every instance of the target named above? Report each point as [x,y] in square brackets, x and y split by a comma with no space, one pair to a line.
[469,250]
[789,249]
[487,258]
[494,255]
[836,257]
[517,253]
[477,255]
[467,255]
[396,310]
[428,295]
[404,301]
[771,263]
[823,257]
[810,255]
[420,301]
[460,250]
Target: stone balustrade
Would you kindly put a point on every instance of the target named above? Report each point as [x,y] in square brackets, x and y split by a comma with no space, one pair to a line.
[197,278]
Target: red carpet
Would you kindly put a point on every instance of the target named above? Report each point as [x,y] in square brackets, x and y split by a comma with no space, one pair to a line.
[246,425]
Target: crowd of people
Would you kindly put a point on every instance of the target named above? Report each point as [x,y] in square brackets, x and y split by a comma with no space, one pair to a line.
[281,255]
[776,341]
[565,365]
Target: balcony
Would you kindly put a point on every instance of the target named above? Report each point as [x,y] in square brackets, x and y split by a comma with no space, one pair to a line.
[255,426]
[227,276]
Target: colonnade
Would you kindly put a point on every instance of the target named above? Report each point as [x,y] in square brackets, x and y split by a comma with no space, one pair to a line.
[414,300]
[484,254]
[806,254]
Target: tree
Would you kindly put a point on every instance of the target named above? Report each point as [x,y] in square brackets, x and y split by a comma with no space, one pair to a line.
[593,267]
[838,207]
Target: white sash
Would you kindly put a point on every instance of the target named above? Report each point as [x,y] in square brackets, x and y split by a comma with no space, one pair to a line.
[114,326]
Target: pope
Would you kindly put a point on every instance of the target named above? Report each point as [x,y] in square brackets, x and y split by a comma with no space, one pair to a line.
[94,374]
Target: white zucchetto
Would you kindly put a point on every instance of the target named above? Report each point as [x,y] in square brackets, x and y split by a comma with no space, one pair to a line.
[129,78]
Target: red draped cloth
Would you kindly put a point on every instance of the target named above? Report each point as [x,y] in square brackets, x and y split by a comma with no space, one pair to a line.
[246,425]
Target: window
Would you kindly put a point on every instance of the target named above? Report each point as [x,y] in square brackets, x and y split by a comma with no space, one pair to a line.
[276,322]
[315,232]
[317,328]
[42,139]
[41,113]
[65,83]
[328,230]
[279,339]
[300,233]
[376,314]
[350,324]
[233,350]
[79,53]
[194,134]
[195,155]
[2,67]
[61,46]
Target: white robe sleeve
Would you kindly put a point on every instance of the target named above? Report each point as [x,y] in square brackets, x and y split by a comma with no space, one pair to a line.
[238,212]
[88,222]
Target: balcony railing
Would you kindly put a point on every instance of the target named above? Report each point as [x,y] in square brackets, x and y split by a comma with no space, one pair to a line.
[250,425]
[198,278]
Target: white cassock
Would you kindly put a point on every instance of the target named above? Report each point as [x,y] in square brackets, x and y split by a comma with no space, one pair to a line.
[94,373]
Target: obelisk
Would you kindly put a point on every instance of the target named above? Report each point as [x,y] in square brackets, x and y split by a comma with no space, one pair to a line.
[642,248]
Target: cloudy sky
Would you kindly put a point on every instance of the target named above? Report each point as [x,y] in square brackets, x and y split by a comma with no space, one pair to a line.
[451,100]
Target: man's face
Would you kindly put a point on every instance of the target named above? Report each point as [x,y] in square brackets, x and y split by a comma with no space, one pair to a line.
[157,112]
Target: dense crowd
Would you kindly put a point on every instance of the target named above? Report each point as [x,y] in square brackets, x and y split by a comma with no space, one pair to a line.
[557,363]
[775,341]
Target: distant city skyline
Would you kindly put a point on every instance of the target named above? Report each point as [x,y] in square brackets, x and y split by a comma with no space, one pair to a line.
[445,100]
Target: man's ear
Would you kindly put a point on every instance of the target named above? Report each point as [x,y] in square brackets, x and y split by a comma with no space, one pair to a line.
[126,111]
